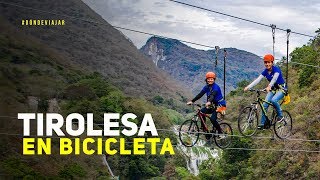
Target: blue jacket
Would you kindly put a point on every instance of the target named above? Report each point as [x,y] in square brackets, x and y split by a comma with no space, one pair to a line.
[269,77]
[214,95]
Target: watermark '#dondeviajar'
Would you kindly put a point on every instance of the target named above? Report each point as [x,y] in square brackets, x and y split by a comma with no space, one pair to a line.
[42,22]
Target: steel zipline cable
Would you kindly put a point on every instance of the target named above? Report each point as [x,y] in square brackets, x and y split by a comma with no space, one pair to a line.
[176,145]
[176,131]
[236,17]
[142,32]
[248,149]
[123,28]
[118,27]
[90,21]
[262,24]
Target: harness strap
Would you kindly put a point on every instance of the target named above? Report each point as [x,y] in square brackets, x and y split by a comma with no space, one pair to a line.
[221,100]
[282,87]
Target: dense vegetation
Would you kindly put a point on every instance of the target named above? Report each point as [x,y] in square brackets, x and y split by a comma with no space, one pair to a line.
[32,70]
[304,88]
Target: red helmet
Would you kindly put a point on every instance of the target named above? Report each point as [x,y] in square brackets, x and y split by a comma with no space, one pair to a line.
[268,57]
[210,75]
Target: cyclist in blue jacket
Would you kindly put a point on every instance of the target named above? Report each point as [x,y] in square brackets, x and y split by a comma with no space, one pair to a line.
[276,88]
[214,96]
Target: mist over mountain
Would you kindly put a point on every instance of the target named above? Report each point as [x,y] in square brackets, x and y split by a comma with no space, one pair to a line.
[189,65]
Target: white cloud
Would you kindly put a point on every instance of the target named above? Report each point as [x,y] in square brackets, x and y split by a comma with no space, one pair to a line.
[181,22]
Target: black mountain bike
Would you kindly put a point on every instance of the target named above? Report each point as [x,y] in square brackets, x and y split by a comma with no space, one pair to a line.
[189,130]
[248,118]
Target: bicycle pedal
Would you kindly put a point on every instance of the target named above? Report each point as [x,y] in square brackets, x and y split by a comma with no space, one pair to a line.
[260,127]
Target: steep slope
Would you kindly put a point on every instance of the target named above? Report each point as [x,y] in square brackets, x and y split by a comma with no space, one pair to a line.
[92,46]
[29,69]
[298,156]
[40,63]
[32,75]
[189,65]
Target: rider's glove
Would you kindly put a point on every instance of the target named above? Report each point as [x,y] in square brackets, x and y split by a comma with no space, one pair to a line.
[221,109]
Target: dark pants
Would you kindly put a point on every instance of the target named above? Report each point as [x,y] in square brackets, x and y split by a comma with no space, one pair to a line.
[213,118]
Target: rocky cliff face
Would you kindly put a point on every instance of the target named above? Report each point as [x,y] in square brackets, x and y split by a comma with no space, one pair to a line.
[189,65]
[155,53]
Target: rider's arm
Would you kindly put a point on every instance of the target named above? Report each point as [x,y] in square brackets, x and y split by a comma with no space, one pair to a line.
[198,96]
[274,79]
[255,82]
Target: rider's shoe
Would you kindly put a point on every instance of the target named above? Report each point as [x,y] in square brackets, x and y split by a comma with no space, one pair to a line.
[279,119]
[221,136]
[261,126]
[208,143]
[208,136]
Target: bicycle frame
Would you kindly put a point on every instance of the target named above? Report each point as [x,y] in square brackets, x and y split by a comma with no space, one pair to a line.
[260,101]
[248,118]
[201,115]
[189,131]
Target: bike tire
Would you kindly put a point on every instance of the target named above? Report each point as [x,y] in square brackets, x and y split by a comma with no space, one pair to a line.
[248,121]
[283,128]
[224,141]
[189,133]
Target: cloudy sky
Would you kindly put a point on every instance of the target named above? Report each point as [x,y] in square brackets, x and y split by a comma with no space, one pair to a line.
[170,19]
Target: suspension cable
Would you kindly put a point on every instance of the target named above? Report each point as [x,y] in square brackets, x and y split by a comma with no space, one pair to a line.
[236,17]
[273,29]
[175,145]
[177,131]
[287,75]
[127,29]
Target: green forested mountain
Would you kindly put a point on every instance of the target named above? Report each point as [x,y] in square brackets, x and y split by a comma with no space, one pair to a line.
[189,65]
[83,68]
[30,70]
[92,44]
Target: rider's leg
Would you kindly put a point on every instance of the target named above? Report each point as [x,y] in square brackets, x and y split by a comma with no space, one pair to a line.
[265,105]
[277,97]
[214,122]
[206,111]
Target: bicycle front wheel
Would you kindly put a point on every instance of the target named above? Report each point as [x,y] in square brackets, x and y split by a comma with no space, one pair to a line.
[283,128]
[189,133]
[248,121]
[224,140]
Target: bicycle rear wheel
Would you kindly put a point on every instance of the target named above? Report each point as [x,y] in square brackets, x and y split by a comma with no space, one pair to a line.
[224,141]
[283,128]
[248,121]
[189,133]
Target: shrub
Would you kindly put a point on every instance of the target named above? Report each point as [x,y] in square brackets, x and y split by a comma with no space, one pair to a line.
[157,100]
[182,172]
[43,105]
[76,92]
[17,60]
[112,102]
[35,72]
[71,171]
[16,168]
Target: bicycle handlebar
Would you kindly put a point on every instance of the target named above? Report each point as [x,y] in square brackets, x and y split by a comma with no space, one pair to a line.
[258,90]
[201,105]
